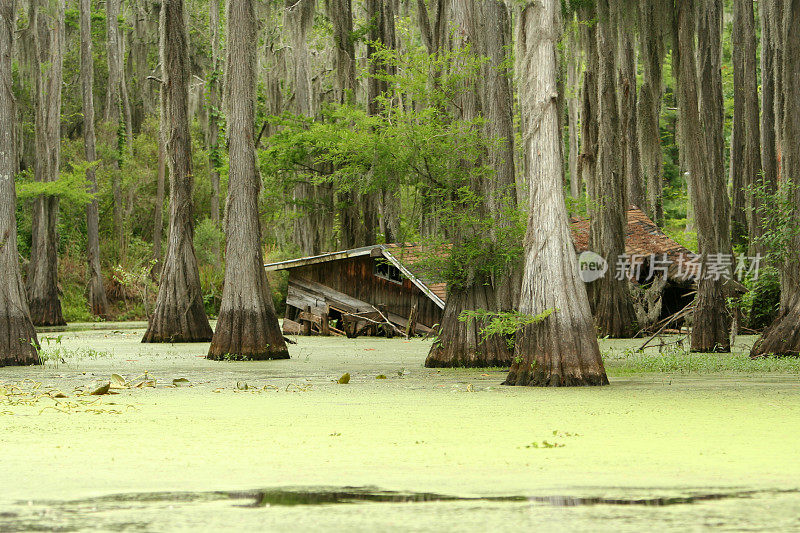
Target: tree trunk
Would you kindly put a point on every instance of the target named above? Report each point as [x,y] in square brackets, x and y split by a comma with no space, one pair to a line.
[340,13]
[562,349]
[158,216]
[312,217]
[18,342]
[702,127]
[42,282]
[613,307]
[179,315]
[573,55]
[214,159]
[769,162]
[782,338]
[380,15]
[484,25]
[745,157]
[461,344]
[651,44]
[355,224]
[776,20]
[247,326]
[97,292]
[627,98]
[113,113]
[589,104]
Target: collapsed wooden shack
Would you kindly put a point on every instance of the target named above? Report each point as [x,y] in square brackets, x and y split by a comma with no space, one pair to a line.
[656,296]
[374,290]
[382,290]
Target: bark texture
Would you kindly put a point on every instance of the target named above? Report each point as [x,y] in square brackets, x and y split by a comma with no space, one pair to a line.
[589,104]
[574,59]
[483,26]
[745,160]
[97,293]
[627,98]
[782,338]
[652,20]
[247,326]
[613,307]
[113,111]
[700,103]
[214,103]
[380,14]
[562,350]
[42,282]
[769,150]
[179,315]
[18,342]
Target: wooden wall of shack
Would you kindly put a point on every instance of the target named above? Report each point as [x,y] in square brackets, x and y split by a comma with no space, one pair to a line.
[356,278]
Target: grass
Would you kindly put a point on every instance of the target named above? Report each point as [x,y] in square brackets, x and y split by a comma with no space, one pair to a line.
[680,361]
[51,351]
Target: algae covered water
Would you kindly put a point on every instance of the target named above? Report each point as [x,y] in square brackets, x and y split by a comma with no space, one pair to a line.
[186,443]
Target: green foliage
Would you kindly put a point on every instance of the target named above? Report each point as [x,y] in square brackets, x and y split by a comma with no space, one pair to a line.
[761,302]
[504,323]
[212,279]
[208,240]
[75,305]
[71,186]
[422,148]
[778,211]
[138,282]
[676,230]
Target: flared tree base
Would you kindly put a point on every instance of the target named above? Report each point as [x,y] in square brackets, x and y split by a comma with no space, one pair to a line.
[47,312]
[18,343]
[247,336]
[561,351]
[711,324]
[97,299]
[614,316]
[782,338]
[520,377]
[461,344]
[170,325]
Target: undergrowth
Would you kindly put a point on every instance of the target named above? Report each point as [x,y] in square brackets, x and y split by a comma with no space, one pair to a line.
[681,361]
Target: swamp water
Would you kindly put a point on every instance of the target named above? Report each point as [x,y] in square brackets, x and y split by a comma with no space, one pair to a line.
[186,443]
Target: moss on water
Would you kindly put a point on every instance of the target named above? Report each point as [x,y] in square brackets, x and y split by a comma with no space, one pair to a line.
[453,432]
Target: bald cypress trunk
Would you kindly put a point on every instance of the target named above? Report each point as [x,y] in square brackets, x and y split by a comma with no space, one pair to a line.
[589,103]
[113,112]
[768,177]
[700,75]
[214,159]
[161,178]
[745,160]
[179,315]
[484,26]
[380,15]
[42,282]
[18,342]
[613,307]
[311,217]
[356,220]
[627,98]
[97,294]
[652,19]
[573,58]
[247,326]
[562,350]
[783,336]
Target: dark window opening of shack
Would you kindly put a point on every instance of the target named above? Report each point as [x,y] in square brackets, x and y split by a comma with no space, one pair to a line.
[388,271]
